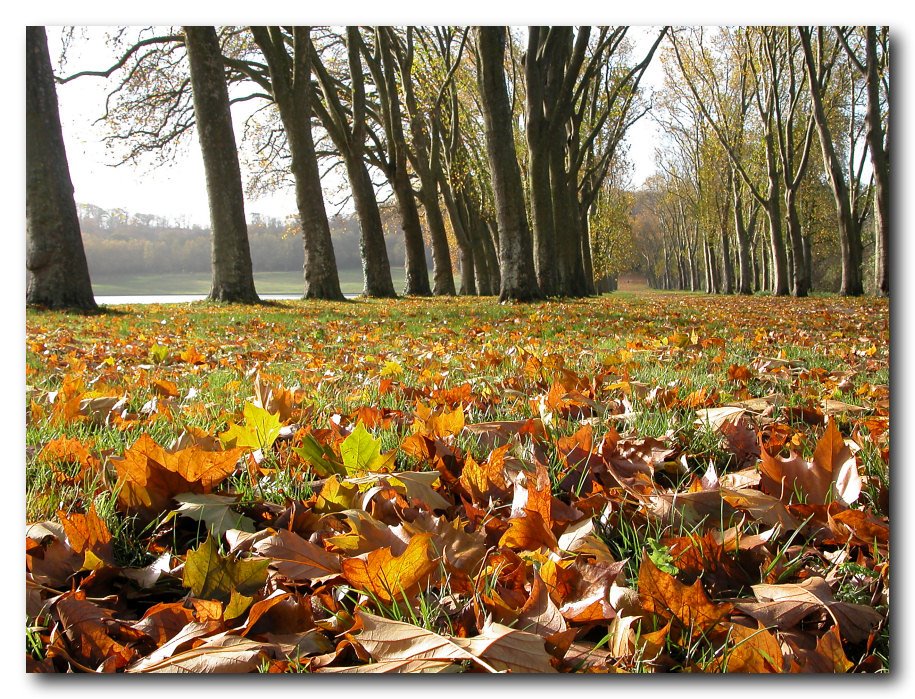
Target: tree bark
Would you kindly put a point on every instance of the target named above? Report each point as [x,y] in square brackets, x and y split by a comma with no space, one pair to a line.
[744,282]
[290,78]
[422,156]
[384,72]
[376,268]
[233,276]
[349,136]
[849,231]
[880,161]
[57,275]
[516,261]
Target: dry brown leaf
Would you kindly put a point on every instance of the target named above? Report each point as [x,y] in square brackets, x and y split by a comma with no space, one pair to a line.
[664,595]
[149,476]
[509,649]
[298,559]
[224,653]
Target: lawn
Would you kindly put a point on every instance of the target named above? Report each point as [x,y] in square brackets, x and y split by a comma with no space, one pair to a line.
[647,482]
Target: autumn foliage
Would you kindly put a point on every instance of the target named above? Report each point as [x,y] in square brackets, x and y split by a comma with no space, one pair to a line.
[670,483]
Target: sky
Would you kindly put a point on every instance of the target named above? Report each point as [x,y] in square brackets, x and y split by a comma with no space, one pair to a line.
[177,189]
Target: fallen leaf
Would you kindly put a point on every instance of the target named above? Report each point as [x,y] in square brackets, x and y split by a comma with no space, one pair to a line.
[298,559]
[390,577]
[210,575]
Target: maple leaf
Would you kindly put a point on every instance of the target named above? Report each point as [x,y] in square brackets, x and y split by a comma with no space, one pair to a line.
[214,510]
[664,595]
[210,575]
[361,452]
[298,559]
[319,457]
[88,535]
[150,476]
[437,424]
[223,653]
[528,532]
[833,472]
[748,650]
[92,633]
[260,430]
[786,605]
[389,577]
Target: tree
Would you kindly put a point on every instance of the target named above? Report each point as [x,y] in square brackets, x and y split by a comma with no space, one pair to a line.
[233,278]
[424,154]
[703,79]
[292,91]
[516,261]
[57,275]
[874,67]
[844,186]
[349,135]
[391,157]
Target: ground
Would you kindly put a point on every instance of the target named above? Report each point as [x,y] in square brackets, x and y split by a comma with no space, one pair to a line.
[637,482]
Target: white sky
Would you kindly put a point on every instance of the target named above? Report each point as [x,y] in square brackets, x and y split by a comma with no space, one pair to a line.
[177,189]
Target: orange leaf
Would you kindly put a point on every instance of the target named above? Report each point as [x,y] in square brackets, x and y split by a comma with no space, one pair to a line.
[664,595]
[749,650]
[149,476]
[390,577]
[528,533]
[87,532]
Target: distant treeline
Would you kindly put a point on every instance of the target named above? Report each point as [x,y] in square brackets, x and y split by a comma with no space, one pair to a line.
[120,242]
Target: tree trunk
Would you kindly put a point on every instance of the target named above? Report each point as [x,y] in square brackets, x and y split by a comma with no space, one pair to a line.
[744,283]
[800,282]
[880,160]
[489,234]
[385,72]
[808,261]
[290,78]
[347,129]
[542,216]
[727,269]
[233,277]
[442,275]
[849,231]
[777,247]
[57,275]
[376,267]
[516,260]
[459,226]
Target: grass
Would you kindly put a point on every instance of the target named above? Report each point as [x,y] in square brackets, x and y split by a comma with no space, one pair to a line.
[658,358]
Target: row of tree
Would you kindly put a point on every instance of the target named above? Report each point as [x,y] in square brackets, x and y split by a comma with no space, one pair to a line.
[500,152]
[742,200]
[432,112]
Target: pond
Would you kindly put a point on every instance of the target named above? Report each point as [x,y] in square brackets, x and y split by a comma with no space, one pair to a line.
[184,298]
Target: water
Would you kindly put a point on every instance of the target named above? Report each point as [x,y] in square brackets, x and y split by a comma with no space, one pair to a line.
[185,298]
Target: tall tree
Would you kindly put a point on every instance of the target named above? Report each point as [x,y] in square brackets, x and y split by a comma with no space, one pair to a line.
[819,67]
[874,67]
[391,156]
[516,261]
[349,135]
[291,87]
[57,275]
[233,277]
[424,154]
